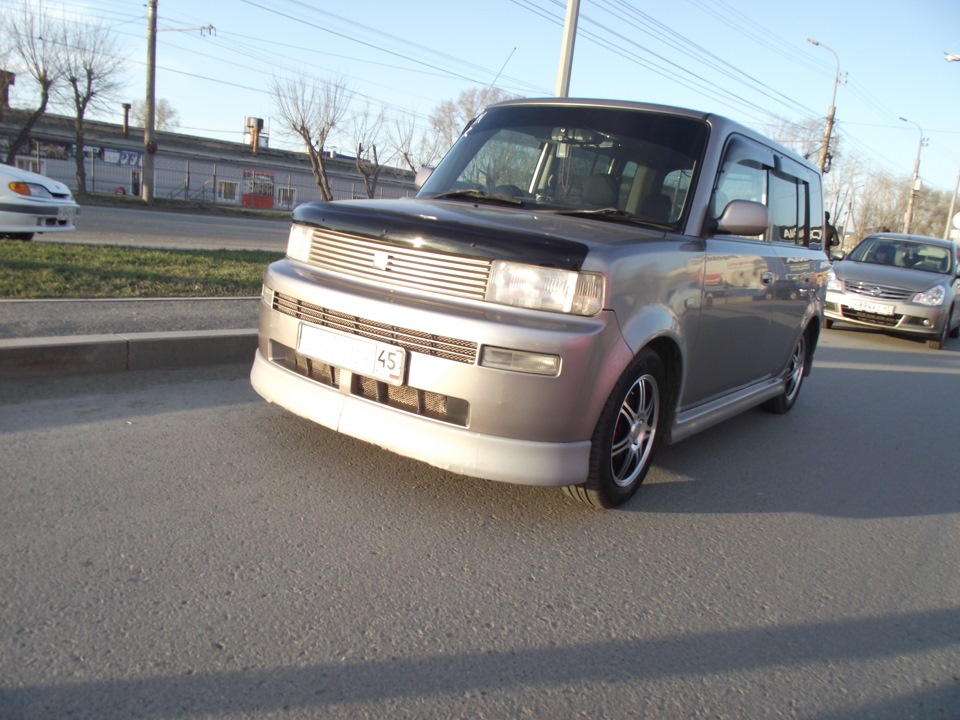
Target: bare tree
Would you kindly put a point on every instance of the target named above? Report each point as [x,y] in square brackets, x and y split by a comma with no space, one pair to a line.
[167,117]
[367,130]
[312,111]
[804,138]
[413,150]
[32,40]
[451,116]
[92,67]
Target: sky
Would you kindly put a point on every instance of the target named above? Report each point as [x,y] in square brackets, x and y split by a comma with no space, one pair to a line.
[746,59]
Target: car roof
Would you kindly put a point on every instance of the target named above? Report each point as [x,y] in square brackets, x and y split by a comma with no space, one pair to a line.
[904,237]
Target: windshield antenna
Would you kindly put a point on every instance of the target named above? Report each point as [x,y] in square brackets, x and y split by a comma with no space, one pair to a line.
[502,67]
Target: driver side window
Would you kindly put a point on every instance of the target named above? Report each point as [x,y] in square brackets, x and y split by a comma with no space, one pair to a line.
[743,180]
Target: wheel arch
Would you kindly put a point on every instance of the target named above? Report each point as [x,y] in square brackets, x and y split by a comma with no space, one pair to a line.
[668,350]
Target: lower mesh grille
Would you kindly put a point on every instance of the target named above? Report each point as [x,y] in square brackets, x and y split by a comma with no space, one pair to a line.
[402,397]
[873,318]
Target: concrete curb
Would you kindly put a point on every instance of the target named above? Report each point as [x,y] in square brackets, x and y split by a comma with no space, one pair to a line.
[30,357]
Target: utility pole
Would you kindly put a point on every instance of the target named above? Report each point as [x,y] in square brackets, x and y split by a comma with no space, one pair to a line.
[828,131]
[908,217]
[953,204]
[566,48]
[150,107]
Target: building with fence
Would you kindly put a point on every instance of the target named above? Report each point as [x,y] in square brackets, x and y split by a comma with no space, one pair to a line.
[188,167]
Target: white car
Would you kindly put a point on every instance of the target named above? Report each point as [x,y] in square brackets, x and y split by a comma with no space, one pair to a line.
[32,203]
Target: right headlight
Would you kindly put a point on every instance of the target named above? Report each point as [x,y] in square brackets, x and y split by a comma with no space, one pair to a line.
[933,297]
[833,282]
[298,244]
[542,288]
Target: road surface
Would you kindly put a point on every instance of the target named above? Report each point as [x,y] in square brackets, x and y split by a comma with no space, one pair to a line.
[171,546]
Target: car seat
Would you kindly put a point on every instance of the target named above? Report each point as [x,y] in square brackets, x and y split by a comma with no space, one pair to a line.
[600,190]
[656,207]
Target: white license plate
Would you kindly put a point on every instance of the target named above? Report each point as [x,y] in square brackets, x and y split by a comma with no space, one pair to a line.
[364,357]
[872,307]
[65,214]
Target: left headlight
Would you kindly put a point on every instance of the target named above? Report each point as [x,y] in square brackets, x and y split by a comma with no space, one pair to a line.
[933,297]
[542,288]
[31,189]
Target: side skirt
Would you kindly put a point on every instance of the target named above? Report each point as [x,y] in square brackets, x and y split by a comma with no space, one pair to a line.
[690,422]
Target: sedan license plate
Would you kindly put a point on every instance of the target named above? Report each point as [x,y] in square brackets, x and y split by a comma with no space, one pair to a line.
[872,307]
[364,357]
[65,214]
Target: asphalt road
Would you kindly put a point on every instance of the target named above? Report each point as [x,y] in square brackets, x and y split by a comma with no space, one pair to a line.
[99,225]
[173,547]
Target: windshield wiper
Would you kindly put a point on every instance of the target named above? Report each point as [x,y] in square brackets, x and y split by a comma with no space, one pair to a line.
[474,194]
[613,214]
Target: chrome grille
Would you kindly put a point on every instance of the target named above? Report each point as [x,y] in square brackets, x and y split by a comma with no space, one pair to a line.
[873,290]
[440,346]
[439,273]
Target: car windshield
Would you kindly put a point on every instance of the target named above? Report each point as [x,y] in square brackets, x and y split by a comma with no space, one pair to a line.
[606,163]
[898,252]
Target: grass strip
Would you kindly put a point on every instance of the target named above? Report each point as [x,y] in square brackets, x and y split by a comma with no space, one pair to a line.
[63,270]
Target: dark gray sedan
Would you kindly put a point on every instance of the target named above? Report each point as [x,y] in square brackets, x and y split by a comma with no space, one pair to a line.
[898,283]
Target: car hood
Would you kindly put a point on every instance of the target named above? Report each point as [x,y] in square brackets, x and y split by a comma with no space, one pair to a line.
[55,187]
[473,229]
[851,271]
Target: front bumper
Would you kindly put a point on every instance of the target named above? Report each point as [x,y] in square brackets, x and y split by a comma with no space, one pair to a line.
[447,447]
[903,317]
[449,410]
[37,216]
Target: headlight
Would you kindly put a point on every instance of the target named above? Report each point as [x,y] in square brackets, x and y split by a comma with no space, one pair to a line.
[933,297]
[833,282]
[31,189]
[298,244]
[540,288]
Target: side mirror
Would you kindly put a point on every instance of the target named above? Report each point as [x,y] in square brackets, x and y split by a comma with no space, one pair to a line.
[743,217]
[422,174]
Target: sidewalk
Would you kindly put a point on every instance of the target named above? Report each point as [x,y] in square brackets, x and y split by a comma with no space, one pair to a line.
[42,337]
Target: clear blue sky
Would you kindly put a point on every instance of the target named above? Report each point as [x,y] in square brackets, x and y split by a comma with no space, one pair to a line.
[743,58]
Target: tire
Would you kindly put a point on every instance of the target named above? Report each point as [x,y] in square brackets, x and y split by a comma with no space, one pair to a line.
[25,236]
[955,332]
[796,370]
[626,436]
[937,342]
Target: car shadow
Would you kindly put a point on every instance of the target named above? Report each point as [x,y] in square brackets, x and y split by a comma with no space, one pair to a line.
[871,436]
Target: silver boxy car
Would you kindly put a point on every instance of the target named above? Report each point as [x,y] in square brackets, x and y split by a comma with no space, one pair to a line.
[577,282]
[900,284]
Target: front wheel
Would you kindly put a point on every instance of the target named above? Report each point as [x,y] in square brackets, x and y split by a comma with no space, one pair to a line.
[796,369]
[938,342]
[626,435]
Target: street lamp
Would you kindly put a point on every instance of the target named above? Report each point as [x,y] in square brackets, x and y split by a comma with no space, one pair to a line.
[825,147]
[908,218]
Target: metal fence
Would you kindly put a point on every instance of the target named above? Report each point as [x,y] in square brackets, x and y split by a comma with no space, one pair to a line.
[224,182]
